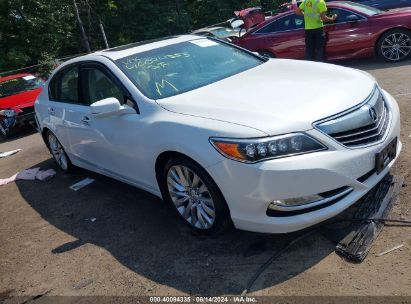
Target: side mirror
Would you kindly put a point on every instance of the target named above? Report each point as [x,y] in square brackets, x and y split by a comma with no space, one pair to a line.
[109,107]
[353,18]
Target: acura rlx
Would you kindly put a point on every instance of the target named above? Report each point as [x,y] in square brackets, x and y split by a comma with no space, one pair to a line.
[224,135]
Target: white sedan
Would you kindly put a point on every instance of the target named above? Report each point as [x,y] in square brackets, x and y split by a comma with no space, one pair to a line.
[222,134]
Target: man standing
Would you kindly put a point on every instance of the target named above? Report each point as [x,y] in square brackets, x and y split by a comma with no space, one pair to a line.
[314,12]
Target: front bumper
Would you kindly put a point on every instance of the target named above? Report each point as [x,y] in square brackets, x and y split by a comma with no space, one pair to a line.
[250,188]
[19,120]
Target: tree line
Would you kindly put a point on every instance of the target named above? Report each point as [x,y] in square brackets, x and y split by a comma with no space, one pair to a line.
[38,31]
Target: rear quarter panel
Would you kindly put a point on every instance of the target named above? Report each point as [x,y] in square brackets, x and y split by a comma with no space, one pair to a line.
[382,24]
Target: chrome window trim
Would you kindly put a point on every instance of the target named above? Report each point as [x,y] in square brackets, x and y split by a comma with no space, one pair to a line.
[268,33]
[362,18]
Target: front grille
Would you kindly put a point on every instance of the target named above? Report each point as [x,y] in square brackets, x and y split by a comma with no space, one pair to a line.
[362,126]
[364,135]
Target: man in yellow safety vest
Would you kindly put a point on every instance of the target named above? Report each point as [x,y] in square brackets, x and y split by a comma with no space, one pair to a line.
[314,12]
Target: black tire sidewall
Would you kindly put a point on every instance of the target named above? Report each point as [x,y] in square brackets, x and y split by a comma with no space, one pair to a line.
[382,38]
[222,219]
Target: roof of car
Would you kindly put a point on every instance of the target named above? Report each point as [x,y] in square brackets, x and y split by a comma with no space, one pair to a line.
[143,46]
[13,77]
[208,29]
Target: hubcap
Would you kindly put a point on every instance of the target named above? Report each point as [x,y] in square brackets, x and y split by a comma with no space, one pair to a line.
[396,46]
[191,197]
[58,152]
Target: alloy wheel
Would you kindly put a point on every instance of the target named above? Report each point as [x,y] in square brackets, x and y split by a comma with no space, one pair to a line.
[58,152]
[396,47]
[191,197]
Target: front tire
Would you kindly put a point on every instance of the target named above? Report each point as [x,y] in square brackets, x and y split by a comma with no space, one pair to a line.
[394,45]
[59,155]
[194,196]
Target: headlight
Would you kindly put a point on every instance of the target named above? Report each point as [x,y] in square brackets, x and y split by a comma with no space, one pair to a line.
[8,113]
[258,149]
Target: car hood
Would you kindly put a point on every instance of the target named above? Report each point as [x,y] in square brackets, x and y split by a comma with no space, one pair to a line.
[20,100]
[277,97]
[403,11]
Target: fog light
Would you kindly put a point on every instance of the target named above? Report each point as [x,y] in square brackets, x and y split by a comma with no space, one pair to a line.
[295,201]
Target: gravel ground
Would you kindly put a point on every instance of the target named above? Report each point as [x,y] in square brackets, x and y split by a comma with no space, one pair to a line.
[50,245]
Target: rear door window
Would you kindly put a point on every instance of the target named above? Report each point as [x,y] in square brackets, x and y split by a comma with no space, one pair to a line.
[288,23]
[64,87]
[342,14]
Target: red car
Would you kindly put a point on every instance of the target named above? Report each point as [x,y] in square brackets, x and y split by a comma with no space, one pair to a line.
[359,31]
[17,96]
[251,16]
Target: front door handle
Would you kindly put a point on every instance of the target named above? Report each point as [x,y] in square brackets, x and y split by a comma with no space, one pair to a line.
[85,120]
[51,111]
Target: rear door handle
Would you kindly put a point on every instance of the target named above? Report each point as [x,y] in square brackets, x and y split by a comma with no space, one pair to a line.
[51,111]
[85,120]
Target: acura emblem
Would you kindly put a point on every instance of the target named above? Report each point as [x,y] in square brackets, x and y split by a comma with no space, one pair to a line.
[373,114]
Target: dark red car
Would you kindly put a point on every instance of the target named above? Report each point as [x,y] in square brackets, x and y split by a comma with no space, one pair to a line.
[359,31]
[17,96]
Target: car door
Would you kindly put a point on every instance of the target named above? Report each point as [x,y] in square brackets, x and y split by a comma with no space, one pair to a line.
[285,37]
[64,103]
[111,143]
[349,36]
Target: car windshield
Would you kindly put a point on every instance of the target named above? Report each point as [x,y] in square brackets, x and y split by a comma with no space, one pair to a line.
[364,9]
[224,32]
[19,85]
[185,66]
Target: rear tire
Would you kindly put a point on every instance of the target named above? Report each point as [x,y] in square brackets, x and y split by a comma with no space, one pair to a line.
[59,155]
[394,45]
[194,196]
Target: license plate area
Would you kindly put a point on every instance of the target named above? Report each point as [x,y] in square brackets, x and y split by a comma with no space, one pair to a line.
[385,156]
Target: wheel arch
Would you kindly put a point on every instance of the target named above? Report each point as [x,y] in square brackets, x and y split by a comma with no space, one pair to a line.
[162,159]
[399,27]
[44,136]
[165,156]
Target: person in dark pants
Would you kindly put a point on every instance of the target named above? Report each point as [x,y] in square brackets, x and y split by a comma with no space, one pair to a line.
[314,12]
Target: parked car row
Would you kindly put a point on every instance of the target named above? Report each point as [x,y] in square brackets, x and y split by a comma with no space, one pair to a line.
[359,31]
[379,4]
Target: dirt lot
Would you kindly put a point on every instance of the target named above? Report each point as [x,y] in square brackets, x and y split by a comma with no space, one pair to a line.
[50,245]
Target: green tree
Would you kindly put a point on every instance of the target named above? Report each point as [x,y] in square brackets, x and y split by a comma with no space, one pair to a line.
[34,30]
[38,31]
